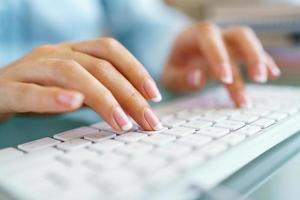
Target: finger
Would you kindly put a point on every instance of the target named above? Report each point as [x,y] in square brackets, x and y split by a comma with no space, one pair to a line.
[188,78]
[112,51]
[236,90]
[71,75]
[211,44]
[124,92]
[273,70]
[37,98]
[252,51]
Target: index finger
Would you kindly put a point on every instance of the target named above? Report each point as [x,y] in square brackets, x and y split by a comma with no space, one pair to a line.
[111,50]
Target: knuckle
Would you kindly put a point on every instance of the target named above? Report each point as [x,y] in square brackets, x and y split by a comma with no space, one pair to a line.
[245,30]
[110,43]
[208,26]
[102,67]
[63,66]
[47,48]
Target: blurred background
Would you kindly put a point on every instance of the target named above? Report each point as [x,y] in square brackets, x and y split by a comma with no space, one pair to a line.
[277,23]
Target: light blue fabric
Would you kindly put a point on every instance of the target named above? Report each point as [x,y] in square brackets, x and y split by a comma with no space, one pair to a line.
[145,27]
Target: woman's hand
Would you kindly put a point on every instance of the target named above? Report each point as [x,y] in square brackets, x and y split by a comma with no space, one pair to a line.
[204,51]
[100,73]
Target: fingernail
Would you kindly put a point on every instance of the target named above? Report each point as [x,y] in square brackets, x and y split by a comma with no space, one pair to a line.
[121,119]
[275,71]
[152,90]
[245,101]
[226,76]
[193,78]
[152,120]
[70,99]
[261,76]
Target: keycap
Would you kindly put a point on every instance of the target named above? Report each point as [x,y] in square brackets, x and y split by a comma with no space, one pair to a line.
[75,133]
[277,116]
[228,112]
[131,137]
[248,130]
[256,111]
[190,162]
[76,156]
[106,145]
[152,132]
[197,124]
[188,115]
[105,161]
[179,131]
[172,150]
[231,125]
[134,149]
[212,117]
[73,144]
[263,122]
[195,140]
[213,131]
[38,144]
[99,136]
[171,122]
[158,139]
[9,153]
[147,163]
[106,127]
[214,149]
[233,139]
[244,118]
[162,177]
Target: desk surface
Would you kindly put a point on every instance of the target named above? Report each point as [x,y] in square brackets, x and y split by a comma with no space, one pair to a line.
[250,180]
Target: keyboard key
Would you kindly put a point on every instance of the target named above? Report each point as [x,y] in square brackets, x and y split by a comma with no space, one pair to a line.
[152,132]
[75,133]
[38,144]
[134,149]
[248,130]
[195,140]
[147,163]
[73,144]
[244,118]
[179,131]
[103,126]
[158,139]
[100,136]
[197,124]
[233,139]
[263,122]
[188,115]
[277,116]
[212,117]
[256,112]
[131,137]
[105,161]
[172,150]
[213,131]
[190,162]
[232,125]
[106,145]
[172,122]
[9,154]
[228,112]
[214,149]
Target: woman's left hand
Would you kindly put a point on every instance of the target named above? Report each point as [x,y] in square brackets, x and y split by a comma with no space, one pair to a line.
[204,51]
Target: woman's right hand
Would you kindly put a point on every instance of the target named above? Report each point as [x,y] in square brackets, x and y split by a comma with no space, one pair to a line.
[100,73]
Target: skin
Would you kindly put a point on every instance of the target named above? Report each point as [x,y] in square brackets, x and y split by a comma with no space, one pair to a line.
[105,76]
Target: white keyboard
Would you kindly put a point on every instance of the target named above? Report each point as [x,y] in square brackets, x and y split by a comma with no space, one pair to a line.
[205,140]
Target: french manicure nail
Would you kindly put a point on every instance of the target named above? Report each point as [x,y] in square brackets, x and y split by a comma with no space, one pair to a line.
[121,119]
[275,71]
[70,99]
[152,90]
[226,74]
[152,120]
[245,101]
[194,78]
